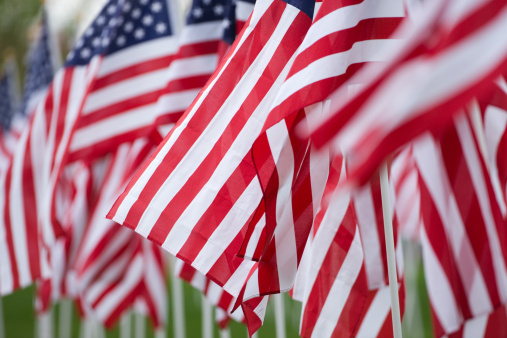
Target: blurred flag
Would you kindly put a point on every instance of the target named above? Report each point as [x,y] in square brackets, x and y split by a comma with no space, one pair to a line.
[114,73]
[442,64]
[40,67]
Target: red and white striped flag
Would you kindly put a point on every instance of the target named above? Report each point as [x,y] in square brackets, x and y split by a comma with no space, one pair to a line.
[198,202]
[464,238]
[450,54]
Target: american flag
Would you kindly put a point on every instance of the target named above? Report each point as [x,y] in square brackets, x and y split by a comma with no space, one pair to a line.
[206,180]
[423,85]
[463,238]
[40,67]
[115,72]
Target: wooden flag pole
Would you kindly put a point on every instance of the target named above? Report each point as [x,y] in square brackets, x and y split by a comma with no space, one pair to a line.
[65,320]
[177,300]
[160,332]
[207,318]
[391,261]
[279,316]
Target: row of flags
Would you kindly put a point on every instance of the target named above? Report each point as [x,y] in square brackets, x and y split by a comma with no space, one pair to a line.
[247,145]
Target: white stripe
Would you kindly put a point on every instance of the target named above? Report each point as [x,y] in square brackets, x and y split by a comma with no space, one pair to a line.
[254,238]
[366,218]
[126,89]
[440,291]
[495,124]
[350,16]
[475,327]
[139,53]
[192,66]
[201,32]
[340,291]
[155,281]
[6,278]
[237,279]
[243,10]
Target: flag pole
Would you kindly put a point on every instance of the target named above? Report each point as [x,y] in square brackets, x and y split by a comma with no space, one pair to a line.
[177,300]
[2,327]
[65,320]
[125,325]
[279,316]
[207,318]
[140,328]
[391,261]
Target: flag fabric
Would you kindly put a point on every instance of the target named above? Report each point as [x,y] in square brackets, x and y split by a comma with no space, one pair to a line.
[404,98]
[463,237]
[201,216]
[115,268]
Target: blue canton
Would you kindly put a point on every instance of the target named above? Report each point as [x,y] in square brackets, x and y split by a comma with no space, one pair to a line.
[206,10]
[229,34]
[6,101]
[121,24]
[39,67]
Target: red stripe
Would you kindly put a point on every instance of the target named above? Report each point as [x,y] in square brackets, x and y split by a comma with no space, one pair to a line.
[130,72]
[198,49]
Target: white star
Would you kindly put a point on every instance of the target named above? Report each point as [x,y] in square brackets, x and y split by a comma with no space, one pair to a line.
[136,13]
[111,9]
[226,23]
[119,21]
[101,20]
[89,31]
[206,2]
[197,12]
[127,7]
[70,56]
[160,27]
[139,33]
[105,41]
[112,22]
[129,27]
[80,43]
[96,42]
[121,40]
[147,20]
[85,53]
[218,9]
[156,7]
[144,2]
